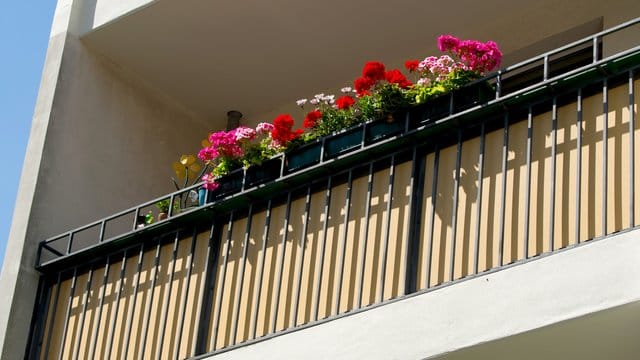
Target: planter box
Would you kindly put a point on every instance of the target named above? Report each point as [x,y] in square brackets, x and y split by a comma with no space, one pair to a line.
[304,156]
[230,183]
[343,142]
[385,128]
[269,170]
[432,110]
[472,95]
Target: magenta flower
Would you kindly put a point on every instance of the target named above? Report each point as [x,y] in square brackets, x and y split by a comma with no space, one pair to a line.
[209,182]
[447,43]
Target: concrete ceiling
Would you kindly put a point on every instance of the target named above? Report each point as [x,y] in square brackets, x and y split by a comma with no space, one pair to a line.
[610,334]
[213,56]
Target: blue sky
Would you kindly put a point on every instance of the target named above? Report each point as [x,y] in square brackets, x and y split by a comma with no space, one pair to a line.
[24,33]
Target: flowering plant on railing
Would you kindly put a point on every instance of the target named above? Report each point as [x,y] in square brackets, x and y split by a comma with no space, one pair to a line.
[376,94]
[225,151]
[467,60]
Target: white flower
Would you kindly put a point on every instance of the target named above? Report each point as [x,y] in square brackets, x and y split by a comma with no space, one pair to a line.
[314,101]
[328,98]
[346,90]
[319,96]
[301,102]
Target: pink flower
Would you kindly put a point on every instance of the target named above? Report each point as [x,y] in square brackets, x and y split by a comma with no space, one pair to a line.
[448,43]
[264,128]
[209,182]
[207,153]
[244,133]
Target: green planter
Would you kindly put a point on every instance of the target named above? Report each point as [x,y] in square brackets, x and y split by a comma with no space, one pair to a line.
[230,183]
[432,110]
[471,95]
[304,156]
[343,142]
[392,125]
[269,170]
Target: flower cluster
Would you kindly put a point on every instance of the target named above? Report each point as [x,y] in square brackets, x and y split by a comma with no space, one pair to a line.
[377,93]
[477,56]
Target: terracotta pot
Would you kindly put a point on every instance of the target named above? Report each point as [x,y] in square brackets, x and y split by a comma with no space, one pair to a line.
[162,216]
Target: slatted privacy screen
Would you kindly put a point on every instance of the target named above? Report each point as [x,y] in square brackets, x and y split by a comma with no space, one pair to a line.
[529,181]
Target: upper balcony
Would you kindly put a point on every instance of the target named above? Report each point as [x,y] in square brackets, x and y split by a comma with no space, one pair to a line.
[459,188]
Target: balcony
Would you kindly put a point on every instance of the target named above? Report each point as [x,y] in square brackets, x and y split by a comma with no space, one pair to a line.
[545,165]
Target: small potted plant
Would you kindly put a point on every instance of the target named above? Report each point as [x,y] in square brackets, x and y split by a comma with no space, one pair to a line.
[163,208]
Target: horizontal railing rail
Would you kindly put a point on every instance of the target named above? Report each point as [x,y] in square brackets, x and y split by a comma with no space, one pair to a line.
[96,234]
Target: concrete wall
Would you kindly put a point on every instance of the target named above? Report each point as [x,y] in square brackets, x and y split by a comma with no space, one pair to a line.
[101,141]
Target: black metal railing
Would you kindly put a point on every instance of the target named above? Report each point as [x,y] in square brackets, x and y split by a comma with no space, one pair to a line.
[517,79]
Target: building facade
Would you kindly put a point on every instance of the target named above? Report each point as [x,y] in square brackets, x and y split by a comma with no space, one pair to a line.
[505,227]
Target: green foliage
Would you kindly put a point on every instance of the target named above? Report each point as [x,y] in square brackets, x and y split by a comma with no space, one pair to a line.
[163,205]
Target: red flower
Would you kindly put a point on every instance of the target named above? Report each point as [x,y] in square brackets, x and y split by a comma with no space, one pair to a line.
[281,132]
[411,65]
[311,119]
[395,77]
[345,102]
[362,85]
[373,70]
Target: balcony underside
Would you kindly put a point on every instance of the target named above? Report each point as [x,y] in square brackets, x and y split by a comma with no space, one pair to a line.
[213,58]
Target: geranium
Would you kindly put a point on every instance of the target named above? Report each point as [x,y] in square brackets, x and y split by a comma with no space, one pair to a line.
[396,77]
[209,182]
[345,102]
[282,132]
[411,65]
[244,133]
[373,70]
[447,43]
[312,119]
[264,128]
[362,85]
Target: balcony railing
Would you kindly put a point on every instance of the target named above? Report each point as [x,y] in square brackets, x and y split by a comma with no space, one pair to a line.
[547,163]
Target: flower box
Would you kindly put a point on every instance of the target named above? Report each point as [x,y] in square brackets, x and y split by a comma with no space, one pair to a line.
[343,142]
[267,171]
[432,110]
[304,156]
[230,183]
[472,95]
[384,128]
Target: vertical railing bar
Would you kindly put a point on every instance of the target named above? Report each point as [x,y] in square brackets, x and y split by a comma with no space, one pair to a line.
[238,297]
[476,250]
[413,238]
[165,306]
[325,226]
[52,311]
[276,304]
[303,239]
[363,249]
[172,199]
[387,226]
[345,232]
[527,210]
[265,236]
[39,318]
[103,224]
[117,307]
[65,327]
[434,196]
[499,84]
[96,326]
[136,213]
[595,49]
[632,146]
[206,290]
[145,323]
[503,202]
[546,68]
[554,147]
[454,210]
[579,165]
[216,316]
[605,153]
[185,294]
[70,243]
[132,307]
[83,315]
